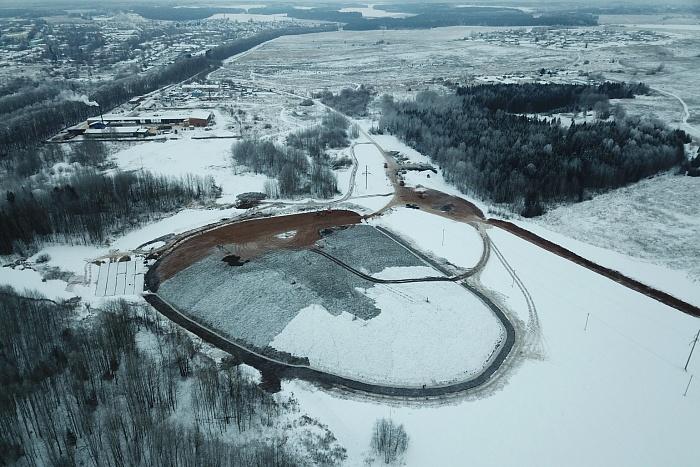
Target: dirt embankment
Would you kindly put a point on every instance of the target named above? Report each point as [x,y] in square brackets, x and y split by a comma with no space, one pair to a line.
[618,277]
[251,238]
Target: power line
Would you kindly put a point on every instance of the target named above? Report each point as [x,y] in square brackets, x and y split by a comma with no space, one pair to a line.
[688,386]
[695,341]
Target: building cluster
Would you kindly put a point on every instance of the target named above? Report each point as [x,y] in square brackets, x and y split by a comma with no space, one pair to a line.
[568,38]
[139,124]
[107,45]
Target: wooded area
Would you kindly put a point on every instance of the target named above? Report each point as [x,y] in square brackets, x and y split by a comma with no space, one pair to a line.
[348,101]
[289,165]
[524,161]
[548,97]
[90,206]
[112,390]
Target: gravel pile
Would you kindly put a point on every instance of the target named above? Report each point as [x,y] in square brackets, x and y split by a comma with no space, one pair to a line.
[256,300]
[366,249]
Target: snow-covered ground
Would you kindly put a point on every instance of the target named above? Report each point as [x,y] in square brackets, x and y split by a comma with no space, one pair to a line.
[427,333]
[457,242]
[373,189]
[610,395]
[22,280]
[180,157]
[182,221]
[370,11]
[645,230]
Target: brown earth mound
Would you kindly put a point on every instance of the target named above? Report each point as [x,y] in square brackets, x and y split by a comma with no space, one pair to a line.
[251,238]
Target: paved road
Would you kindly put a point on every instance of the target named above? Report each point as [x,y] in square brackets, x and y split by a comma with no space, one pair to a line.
[273,368]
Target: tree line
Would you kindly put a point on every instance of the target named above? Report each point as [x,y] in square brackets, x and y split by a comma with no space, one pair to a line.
[90,205]
[526,161]
[87,392]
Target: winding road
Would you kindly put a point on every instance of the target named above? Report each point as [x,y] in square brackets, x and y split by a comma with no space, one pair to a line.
[275,369]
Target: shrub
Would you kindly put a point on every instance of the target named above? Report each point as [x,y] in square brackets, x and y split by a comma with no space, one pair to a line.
[43,258]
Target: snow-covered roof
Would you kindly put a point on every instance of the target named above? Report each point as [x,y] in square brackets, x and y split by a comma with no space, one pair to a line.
[115,130]
[155,116]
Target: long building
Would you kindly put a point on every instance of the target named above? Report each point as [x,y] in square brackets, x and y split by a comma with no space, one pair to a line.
[199,118]
[117,132]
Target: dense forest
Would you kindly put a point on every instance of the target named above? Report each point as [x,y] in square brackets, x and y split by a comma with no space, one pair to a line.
[549,97]
[526,161]
[348,101]
[123,388]
[90,205]
[292,173]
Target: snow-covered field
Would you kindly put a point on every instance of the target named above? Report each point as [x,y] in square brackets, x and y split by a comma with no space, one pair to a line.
[25,279]
[370,11]
[180,157]
[653,225]
[458,243]
[609,395]
[387,60]
[182,221]
[427,333]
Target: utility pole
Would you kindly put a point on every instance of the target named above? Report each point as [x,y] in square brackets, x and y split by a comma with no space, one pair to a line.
[366,173]
[586,326]
[695,341]
[443,236]
[686,388]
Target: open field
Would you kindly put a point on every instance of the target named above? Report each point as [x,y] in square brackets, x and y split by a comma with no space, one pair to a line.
[653,220]
[403,62]
[426,334]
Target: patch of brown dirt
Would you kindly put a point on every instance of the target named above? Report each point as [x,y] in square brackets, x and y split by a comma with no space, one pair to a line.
[442,204]
[247,239]
[432,201]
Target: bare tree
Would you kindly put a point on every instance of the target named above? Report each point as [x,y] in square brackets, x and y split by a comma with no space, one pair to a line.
[389,441]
